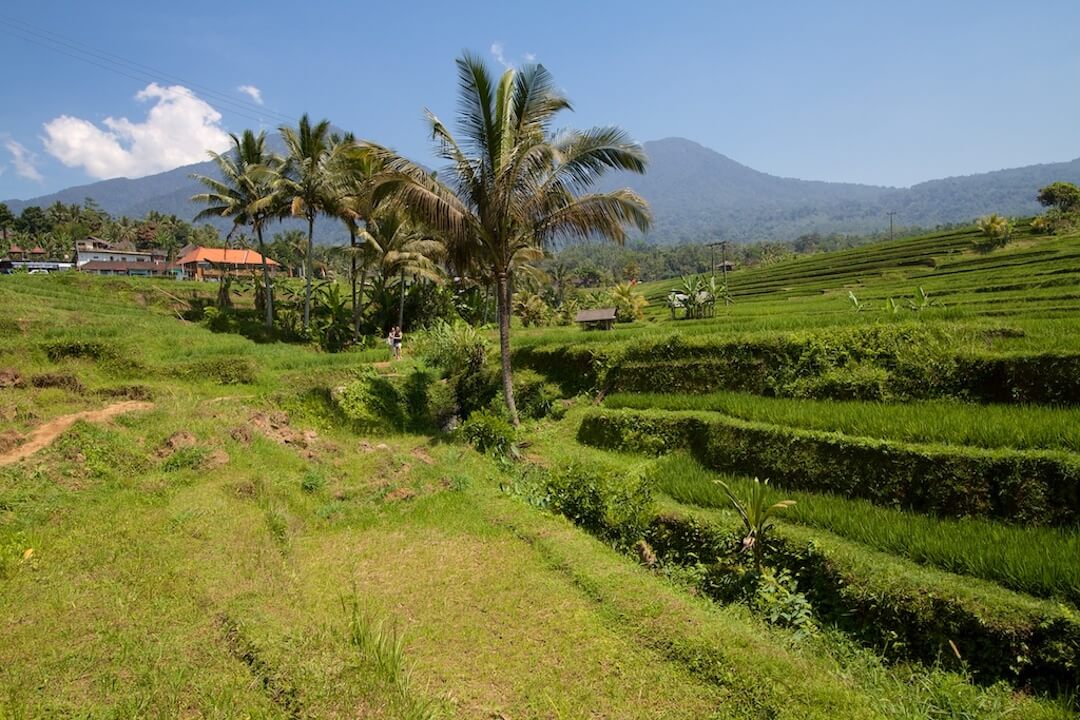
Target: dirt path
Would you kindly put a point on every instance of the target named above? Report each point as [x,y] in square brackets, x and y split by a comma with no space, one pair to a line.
[45,434]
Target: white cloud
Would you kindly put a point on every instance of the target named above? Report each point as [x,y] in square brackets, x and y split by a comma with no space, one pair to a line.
[252,92]
[179,129]
[497,51]
[530,57]
[25,162]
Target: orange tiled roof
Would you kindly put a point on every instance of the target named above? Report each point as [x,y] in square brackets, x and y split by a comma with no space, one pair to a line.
[223,256]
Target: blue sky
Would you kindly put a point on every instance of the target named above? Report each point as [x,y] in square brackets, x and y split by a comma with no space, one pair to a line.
[886,93]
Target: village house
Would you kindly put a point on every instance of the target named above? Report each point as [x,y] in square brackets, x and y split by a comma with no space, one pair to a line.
[203,263]
[100,257]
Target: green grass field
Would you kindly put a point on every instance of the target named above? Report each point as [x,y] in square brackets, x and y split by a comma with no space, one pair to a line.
[237,550]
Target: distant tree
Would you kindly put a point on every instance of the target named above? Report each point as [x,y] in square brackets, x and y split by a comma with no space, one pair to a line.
[33,221]
[632,271]
[245,193]
[1063,195]
[995,229]
[7,221]
[629,302]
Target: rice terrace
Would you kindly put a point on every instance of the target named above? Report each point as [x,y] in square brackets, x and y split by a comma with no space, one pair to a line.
[502,433]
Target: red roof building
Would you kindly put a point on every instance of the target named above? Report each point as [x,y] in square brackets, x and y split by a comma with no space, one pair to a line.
[203,263]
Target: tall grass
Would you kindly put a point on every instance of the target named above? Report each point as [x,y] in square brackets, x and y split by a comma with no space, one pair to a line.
[1038,561]
[1022,427]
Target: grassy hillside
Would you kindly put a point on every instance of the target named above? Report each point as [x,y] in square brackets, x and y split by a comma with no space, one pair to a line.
[258,542]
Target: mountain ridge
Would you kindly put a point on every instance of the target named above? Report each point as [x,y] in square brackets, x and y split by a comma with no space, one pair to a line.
[696,194]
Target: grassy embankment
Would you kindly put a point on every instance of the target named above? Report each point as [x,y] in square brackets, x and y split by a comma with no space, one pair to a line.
[212,557]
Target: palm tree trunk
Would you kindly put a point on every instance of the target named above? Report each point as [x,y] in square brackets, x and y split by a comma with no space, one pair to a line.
[401,305]
[503,299]
[360,298]
[267,288]
[307,272]
[352,277]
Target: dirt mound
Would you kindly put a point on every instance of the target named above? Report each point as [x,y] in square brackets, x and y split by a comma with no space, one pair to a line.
[9,439]
[401,493]
[421,454]
[216,458]
[177,441]
[129,392]
[10,378]
[275,425]
[64,381]
[241,434]
[45,434]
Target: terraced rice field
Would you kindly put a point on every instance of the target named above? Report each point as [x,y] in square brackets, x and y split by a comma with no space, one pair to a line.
[239,545]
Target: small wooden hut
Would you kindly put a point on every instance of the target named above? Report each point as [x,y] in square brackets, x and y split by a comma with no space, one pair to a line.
[598,319]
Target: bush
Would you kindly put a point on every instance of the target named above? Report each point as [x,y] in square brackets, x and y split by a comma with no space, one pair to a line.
[477,389]
[1036,487]
[886,603]
[455,348]
[610,504]
[229,370]
[417,402]
[489,432]
[535,397]
[61,349]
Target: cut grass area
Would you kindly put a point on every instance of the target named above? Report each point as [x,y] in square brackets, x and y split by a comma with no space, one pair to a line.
[930,421]
[1039,561]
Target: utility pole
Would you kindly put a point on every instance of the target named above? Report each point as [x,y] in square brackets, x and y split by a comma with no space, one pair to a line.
[890,214]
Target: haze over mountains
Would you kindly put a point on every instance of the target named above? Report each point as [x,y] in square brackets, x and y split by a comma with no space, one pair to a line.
[696,194]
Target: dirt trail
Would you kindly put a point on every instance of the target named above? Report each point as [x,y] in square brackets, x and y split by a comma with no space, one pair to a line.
[43,435]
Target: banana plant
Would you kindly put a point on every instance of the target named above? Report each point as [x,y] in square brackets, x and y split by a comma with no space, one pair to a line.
[855,304]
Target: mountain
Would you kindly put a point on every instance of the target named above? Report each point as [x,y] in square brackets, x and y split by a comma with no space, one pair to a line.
[696,194]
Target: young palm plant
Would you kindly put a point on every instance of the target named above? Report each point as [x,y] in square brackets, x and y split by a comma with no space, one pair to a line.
[246,194]
[757,516]
[513,182]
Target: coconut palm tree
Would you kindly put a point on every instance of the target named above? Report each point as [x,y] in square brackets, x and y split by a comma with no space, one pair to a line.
[399,247]
[355,205]
[246,194]
[309,183]
[513,182]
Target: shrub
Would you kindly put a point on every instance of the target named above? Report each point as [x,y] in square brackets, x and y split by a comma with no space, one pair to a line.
[886,603]
[476,390]
[455,347]
[1037,487]
[489,432]
[613,505]
[417,402]
[228,370]
[535,397]
[61,349]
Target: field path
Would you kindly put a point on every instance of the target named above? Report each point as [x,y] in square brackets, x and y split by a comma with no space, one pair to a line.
[45,434]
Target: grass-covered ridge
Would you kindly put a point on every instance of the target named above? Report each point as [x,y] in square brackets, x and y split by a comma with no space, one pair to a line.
[1030,427]
[1038,561]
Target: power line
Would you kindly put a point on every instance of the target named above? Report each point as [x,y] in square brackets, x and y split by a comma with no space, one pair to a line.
[125,67]
[114,59]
